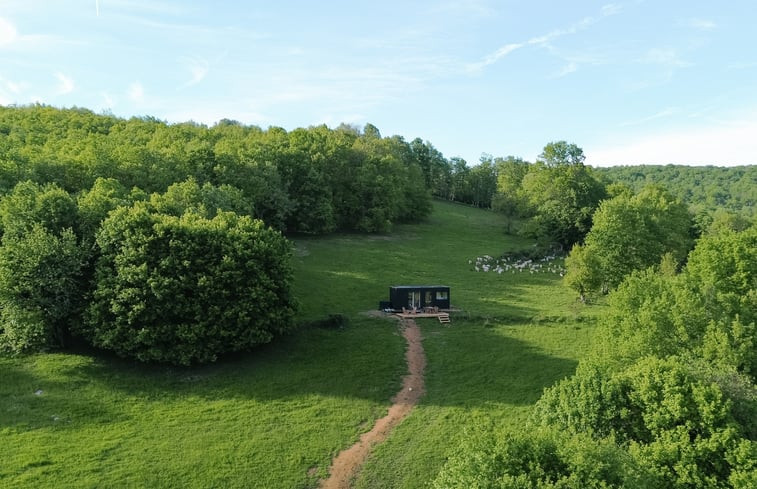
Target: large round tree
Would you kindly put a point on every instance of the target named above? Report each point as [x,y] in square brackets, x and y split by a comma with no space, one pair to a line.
[630,232]
[186,289]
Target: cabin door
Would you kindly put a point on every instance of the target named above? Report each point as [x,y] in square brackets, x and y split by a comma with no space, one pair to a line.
[414,299]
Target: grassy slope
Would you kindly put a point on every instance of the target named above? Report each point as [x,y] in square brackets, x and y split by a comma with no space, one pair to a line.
[258,420]
[517,333]
[265,419]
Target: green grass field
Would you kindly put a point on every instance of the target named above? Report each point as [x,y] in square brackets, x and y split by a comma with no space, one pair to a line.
[273,418]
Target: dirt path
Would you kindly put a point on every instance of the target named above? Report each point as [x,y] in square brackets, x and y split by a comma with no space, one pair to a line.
[345,466]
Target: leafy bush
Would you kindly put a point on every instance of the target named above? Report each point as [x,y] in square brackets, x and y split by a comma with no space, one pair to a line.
[186,289]
[629,232]
[40,289]
[29,204]
[540,459]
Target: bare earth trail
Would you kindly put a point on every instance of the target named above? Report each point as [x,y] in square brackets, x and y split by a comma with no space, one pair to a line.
[345,466]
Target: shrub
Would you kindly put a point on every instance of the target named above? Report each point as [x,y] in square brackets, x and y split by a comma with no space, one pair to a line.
[540,459]
[40,289]
[30,204]
[186,289]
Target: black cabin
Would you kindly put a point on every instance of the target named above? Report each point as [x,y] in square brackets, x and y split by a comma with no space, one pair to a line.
[416,297]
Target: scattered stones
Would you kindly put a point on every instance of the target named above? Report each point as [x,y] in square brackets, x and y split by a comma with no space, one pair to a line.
[38,392]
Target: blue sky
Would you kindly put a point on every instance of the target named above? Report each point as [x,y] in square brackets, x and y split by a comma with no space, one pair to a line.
[629,82]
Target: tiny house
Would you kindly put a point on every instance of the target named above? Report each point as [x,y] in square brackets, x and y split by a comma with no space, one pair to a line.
[417,297]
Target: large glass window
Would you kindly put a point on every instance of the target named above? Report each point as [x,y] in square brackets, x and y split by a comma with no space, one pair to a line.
[442,295]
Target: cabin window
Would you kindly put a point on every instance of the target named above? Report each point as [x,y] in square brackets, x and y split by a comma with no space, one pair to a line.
[442,295]
[428,298]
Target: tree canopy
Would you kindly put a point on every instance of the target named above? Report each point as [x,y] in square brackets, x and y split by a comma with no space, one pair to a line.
[629,232]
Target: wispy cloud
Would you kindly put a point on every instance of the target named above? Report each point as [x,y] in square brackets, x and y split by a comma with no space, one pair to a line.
[65,84]
[666,57]
[545,39]
[136,92]
[701,24]
[150,7]
[11,86]
[8,32]
[667,112]
[198,69]
[477,8]
[566,70]
[666,60]
[107,100]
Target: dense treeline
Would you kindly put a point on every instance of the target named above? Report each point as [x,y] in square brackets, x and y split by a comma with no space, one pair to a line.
[709,191]
[163,242]
[667,397]
[311,180]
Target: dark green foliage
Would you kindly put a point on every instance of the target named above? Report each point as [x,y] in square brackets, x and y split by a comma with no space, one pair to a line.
[186,289]
[40,289]
[703,188]
[563,199]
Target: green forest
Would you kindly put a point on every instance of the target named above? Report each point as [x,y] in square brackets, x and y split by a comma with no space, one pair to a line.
[178,246]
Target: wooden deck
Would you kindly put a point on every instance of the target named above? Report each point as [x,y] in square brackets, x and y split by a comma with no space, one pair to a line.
[442,316]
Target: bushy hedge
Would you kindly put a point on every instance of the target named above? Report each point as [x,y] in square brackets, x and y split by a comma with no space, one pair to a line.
[186,289]
[40,289]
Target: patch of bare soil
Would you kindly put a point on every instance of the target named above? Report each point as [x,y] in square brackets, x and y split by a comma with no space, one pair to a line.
[346,465]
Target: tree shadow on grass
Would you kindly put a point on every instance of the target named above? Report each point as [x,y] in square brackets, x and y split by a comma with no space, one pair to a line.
[31,400]
[472,366]
[467,366]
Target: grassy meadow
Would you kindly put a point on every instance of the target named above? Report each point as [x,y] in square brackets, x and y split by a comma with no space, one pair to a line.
[274,417]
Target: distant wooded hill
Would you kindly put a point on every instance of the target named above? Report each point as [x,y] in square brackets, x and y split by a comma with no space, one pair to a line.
[703,188]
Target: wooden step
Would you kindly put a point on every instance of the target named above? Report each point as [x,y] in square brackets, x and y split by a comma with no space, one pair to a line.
[444,318]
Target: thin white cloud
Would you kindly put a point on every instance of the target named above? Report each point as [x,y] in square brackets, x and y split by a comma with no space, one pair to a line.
[136,92]
[742,65]
[500,53]
[544,40]
[14,87]
[476,8]
[667,57]
[11,38]
[611,9]
[149,7]
[707,145]
[65,84]
[198,69]
[107,100]
[10,86]
[667,112]
[571,67]
[701,24]
[8,32]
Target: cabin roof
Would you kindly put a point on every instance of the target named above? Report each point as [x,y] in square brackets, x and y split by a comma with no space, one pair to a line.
[420,287]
